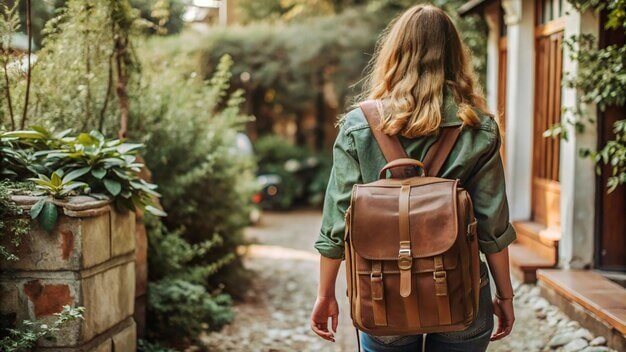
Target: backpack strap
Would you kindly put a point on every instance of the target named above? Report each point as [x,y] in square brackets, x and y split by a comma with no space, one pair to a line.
[390,145]
[440,150]
[392,148]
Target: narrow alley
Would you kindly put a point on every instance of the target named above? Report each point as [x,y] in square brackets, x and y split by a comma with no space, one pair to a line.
[275,316]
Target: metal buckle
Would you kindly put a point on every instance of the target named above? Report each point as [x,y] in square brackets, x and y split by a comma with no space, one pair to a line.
[376,275]
[405,261]
[437,275]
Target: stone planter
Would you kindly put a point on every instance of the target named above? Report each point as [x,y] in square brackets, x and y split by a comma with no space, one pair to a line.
[89,261]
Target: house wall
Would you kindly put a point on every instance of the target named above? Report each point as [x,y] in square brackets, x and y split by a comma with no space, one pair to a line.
[576,248]
[519,110]
[577,177]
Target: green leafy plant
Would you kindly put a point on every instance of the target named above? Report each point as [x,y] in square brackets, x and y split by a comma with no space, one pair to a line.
[13,224]
[147,346]
[178,297]
[25,337]
[86,164]
[601,78]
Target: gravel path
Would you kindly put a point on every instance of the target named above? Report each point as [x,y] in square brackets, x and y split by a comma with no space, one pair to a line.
[274,317]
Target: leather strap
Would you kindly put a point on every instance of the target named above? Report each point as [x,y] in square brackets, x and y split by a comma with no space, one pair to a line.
[441,292]
[411,309]
[440,150]
[392,148]
[378,294]
[390,145]
[405,259]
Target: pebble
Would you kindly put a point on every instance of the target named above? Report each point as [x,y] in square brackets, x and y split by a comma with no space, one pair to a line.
[573,324]
[560,340]
[596,349]
[583,334]
[575,345]
[598,341]
[540,304]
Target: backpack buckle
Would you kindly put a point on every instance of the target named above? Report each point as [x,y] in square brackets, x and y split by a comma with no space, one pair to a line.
[405,261]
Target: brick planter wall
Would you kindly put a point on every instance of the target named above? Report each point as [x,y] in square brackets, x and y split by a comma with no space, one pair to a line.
[89,261]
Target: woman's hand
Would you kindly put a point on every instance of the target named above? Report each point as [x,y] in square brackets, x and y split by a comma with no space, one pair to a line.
[503,309]
[325,308]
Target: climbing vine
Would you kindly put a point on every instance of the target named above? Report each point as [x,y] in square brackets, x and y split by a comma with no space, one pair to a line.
[601,78]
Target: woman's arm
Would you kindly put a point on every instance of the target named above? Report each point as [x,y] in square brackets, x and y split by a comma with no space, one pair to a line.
[326,304]
[503,302]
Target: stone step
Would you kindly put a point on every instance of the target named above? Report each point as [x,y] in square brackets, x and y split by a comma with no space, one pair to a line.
[525,262]
[595,301]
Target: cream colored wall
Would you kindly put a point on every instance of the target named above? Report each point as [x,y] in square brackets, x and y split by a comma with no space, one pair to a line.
[519,105]
[577,175]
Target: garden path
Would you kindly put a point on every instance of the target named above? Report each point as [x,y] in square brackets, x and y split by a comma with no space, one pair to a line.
[275,315]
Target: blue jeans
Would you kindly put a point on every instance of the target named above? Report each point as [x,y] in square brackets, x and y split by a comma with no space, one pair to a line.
[473,339]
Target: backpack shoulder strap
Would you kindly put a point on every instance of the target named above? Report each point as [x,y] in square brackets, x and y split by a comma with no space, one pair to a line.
[390,145]
[440,150]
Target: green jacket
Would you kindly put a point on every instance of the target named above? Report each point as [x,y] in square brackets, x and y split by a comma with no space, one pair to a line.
[475,160]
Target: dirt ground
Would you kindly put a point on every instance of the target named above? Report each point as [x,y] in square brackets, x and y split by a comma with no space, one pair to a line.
[275,316]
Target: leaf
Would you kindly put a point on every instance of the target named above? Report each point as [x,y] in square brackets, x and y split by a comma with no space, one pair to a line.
[35,210]
[99,173]
[155,211]
[85,139]
[40,129]
[72,186]
[23,135]
[128,147]
[48,216]
[56,179]
[72,175]
[63,133]
[112,186]
[97,135]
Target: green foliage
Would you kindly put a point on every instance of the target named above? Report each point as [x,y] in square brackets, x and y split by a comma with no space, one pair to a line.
[293,70]
[80,64]
[178,297]
[25,337]
[601,78]
[189,127]
[146,346]
[616,10]
[186,307]
[13,224]
[601,75]
[88,163]
[165,16]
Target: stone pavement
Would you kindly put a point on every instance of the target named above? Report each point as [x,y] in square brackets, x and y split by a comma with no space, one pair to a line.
[274,317]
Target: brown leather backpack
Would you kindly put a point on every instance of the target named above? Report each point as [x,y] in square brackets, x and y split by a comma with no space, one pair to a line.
[411,248]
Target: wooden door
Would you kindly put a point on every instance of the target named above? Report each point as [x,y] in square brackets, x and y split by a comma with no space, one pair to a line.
[610,241]
[547,112]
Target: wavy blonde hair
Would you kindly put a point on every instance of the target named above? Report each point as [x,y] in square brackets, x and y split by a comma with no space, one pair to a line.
[419,55]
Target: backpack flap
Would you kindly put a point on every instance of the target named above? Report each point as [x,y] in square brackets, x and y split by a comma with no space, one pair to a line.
[376,225]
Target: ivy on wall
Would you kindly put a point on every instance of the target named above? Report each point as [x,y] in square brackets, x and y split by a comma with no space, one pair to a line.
[601,78]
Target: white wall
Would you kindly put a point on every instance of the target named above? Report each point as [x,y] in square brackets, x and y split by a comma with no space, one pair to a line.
[577,175]
[519,17]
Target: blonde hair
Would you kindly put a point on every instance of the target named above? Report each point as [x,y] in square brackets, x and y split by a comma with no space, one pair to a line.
[419,55]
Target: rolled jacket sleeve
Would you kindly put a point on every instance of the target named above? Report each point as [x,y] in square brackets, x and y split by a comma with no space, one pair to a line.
[345,173]
[487,188]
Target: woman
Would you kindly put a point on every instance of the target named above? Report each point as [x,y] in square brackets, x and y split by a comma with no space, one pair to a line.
[422,74]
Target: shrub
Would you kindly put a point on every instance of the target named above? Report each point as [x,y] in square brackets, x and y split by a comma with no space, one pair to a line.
[304,175]
[177,296]
[189,127]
